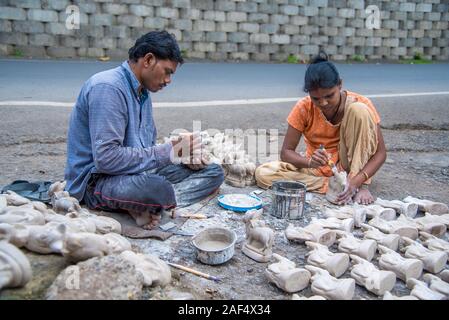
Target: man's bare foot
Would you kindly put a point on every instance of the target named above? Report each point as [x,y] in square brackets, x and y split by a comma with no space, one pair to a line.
[155,220]
[363,196]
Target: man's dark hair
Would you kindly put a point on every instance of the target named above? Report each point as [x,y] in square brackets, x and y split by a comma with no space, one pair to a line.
[160,43]
[321,73]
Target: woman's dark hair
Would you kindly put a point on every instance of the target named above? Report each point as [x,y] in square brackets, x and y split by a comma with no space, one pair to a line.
[160,43]
[321,73]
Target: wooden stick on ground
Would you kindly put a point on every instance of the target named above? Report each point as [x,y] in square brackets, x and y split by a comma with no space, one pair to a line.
[198,273]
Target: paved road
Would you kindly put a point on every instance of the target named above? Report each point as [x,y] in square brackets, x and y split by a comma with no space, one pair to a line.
[61,80]
[50,80]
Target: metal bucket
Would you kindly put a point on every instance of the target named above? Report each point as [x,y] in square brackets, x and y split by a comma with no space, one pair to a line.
[215,245]
[288,199]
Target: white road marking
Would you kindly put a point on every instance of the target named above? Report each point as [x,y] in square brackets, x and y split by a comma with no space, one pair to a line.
[217,103]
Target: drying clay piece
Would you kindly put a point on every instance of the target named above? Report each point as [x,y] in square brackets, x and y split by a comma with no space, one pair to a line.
[15,234]
[15,269]
[395,227]
[102,224]
[117,243]
[362,248]
[373,211]
[374,280]
[388,240]
[403,268]
[337,185]
[238,168]
[444,275]
[286,276]
[434,243]
[155,272]
[436,284]
[13,199]
[346,225]
[331,288]
[81,246]
[61,200]
[434,261]
[358,213]
[21,215]
[431,207]
[406,208]
[312,232]
[320,256]
[43,239]
[389,296]
[259,238]
[435,228]
[422,291]
[298,297]
[431,218]
[3,202]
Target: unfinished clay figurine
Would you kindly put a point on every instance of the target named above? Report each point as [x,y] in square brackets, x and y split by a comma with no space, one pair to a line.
[373,211]
[368,276]
[42,239]
[358,213]
[406,208]
[298,297]
[117,243]
[431,207]
[422,291]
[346,225]
[351,245]
[15,234]
[431,218]
[61,200]
[312,232]
[102,224]
[155,272]
[444,275]
[320,256]
[331,288]
[337,184]
[15,269]
[434,261]
[259,238]
[395,227]
[389,296]
[435,228]
[286,276]
[403,268]
[436,284]
[238,167]
[13,199]
[80,246]
[21,215]
[434,243]
[388,240]
[3,202]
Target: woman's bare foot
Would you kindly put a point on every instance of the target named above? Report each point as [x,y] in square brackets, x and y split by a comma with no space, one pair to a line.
[155,220]
[146,220]
[363,196]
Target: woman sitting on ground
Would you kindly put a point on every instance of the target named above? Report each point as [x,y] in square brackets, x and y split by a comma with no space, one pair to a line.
[344,122]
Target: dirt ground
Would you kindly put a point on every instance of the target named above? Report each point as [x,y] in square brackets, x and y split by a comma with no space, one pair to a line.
[417,165]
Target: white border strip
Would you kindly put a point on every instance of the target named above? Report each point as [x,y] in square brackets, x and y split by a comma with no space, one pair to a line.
[215,103]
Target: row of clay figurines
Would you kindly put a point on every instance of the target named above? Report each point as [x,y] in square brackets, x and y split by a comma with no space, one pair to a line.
[68,230]
[322,233]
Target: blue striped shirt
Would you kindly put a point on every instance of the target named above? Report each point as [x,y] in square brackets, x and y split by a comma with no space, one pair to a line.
[112,130]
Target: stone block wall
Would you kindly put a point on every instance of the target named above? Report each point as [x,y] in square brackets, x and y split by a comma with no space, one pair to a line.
[255,30]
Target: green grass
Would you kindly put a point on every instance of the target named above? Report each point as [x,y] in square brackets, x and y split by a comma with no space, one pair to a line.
[292,59]
[358,58]
[185,53]
[417,59]
[17,53]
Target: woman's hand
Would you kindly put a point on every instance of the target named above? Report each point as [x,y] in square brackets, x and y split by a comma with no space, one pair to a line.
[350,190]
[319,158]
